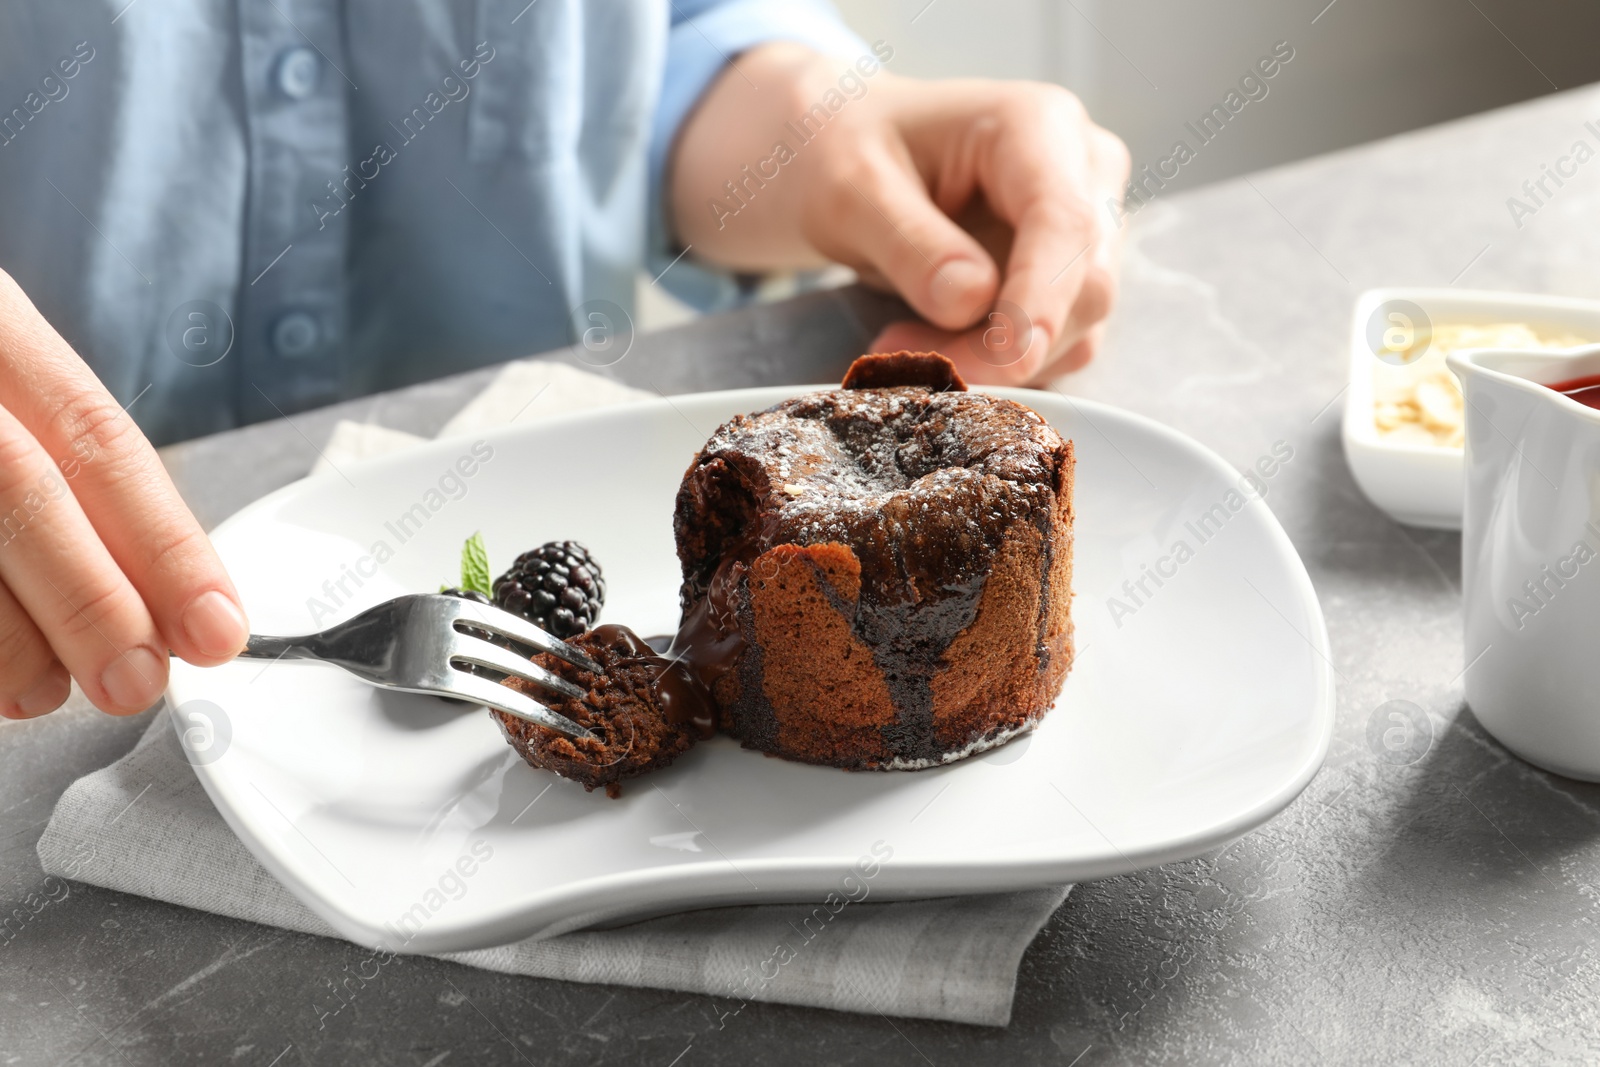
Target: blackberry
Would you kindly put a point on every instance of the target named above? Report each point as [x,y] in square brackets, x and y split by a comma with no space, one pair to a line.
[557,587]
[466,594]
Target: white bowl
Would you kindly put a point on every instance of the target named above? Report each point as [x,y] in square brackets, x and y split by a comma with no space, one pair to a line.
[1420,485]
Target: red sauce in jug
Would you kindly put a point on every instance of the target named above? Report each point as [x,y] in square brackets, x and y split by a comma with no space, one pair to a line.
[1585,391]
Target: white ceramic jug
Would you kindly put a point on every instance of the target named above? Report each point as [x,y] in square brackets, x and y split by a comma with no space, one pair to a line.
[1530,555]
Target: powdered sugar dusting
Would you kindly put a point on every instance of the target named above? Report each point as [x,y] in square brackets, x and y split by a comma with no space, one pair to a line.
[983,744]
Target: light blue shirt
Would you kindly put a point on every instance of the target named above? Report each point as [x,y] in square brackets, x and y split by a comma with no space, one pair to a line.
[236,209]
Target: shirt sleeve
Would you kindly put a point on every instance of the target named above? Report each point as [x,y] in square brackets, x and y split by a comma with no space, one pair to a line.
[705,36]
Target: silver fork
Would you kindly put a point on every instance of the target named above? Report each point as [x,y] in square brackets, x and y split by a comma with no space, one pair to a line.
[419,643]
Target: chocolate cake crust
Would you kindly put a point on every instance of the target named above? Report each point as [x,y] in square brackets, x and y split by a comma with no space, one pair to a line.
[886,369]
[879,576]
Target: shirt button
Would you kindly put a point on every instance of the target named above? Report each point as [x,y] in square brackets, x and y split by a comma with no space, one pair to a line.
[295,334]
[298,73]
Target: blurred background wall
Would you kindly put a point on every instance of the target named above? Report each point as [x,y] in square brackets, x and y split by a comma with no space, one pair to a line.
[1362,69]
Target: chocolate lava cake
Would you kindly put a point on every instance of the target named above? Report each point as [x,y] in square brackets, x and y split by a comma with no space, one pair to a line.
[879,576]
[644,710]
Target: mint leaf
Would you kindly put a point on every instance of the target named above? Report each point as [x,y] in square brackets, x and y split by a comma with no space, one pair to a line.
[475,566]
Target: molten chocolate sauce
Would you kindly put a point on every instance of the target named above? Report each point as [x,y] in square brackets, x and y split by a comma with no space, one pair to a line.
[707,647]
[708,639]
[623,640]
[680,695]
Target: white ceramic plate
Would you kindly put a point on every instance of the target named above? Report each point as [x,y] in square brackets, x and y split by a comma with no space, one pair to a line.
[1420,485]
[1188,720]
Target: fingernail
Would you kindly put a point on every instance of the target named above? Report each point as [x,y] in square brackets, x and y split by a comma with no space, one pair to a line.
[47,694]
[215,624]
[135,678]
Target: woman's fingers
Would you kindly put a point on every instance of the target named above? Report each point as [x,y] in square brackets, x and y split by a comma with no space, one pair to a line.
[125,494]
[1026,159]
[1005,347]
[878,218]
[61,574]
[32,680]
[1097,290]
[1044,174]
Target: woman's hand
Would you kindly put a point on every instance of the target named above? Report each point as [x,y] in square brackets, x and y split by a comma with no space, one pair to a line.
[102,568]
[984,204]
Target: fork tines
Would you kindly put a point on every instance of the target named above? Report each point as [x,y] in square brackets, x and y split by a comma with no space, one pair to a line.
[504,624]
[468,644]
[474,649]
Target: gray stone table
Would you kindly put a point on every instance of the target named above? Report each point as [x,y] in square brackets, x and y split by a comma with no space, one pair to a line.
[1439,912]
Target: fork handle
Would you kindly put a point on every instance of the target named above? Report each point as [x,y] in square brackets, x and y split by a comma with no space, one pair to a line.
[262,647]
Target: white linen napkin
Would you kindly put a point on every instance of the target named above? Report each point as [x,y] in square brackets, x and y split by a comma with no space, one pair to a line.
[144,825]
